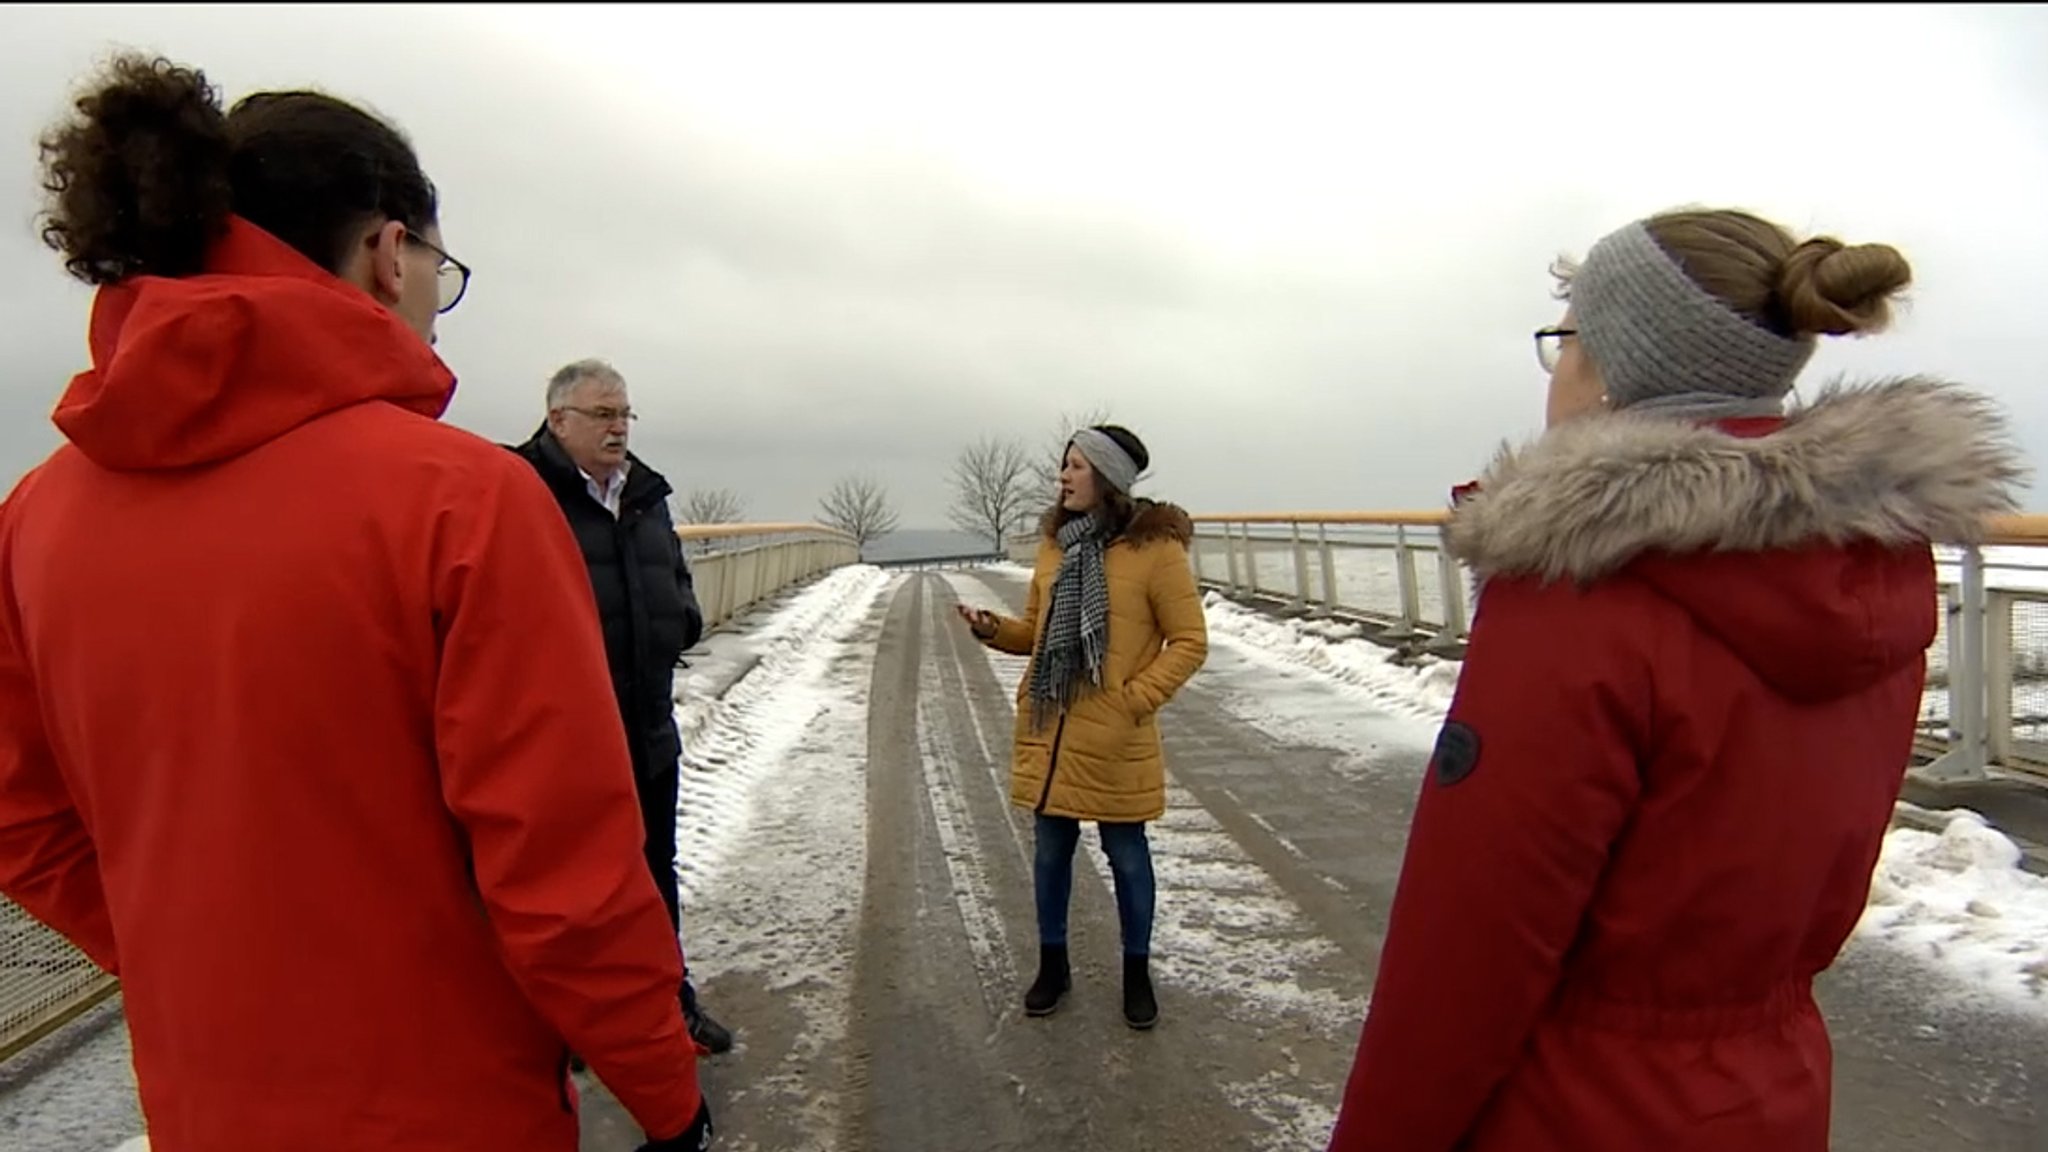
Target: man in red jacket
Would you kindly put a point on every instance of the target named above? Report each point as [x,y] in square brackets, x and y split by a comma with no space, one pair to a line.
[305,727]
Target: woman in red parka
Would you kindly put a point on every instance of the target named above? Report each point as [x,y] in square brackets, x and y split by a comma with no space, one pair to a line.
[305,727]
[1687,705]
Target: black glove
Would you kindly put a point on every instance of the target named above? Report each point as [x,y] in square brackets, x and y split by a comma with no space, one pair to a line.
[695,1138]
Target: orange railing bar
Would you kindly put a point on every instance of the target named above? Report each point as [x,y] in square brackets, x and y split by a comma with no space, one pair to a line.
[2025,528]
[725,531]
[1388,519]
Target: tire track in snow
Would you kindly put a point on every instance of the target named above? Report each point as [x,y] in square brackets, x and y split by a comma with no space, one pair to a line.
[724,738]
[773,846]
[959,844]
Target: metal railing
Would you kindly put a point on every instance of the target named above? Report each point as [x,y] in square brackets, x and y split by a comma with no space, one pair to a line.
[1986,704]
[1386,570]
[45,982]
[736,566]
[1987,693]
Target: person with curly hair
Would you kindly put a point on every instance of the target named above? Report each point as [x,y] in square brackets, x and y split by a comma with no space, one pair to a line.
[305,725]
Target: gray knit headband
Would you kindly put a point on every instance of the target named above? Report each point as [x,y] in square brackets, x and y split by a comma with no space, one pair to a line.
[1108,457]
[1663,343]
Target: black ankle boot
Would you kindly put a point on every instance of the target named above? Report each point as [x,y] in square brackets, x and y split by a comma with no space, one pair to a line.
[1053,981]
[1141,1009]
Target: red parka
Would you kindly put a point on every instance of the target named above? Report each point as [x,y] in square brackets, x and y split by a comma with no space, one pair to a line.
[1652,814]
[306,732]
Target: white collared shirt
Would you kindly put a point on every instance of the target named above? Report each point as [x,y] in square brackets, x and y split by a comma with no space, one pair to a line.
[607,494]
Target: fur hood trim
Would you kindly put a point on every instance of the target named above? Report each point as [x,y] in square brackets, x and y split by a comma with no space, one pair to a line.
[1895,461]
[1153,520]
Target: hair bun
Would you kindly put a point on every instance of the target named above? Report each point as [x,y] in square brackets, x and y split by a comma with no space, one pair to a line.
[138,178]
[1829,288]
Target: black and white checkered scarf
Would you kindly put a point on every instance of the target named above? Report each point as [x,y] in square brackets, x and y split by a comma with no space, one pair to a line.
[1077,621]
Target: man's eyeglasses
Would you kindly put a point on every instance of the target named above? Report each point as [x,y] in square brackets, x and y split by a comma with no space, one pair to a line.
[451,278]
[603,415]
[1550,346]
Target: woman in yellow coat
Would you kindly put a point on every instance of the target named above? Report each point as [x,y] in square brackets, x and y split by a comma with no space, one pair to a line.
[1114,627]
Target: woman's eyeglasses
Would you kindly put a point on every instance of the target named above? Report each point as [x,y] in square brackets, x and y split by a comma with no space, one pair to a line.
[1550,346]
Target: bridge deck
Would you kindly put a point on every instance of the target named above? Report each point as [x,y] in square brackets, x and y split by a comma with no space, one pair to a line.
[873,931]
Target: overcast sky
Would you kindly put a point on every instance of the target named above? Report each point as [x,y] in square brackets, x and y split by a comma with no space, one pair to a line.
[1299,250]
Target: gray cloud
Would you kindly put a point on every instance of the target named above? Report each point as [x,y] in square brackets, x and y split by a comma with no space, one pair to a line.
[786,315]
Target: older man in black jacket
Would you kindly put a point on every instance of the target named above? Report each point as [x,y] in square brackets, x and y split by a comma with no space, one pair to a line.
[618,507]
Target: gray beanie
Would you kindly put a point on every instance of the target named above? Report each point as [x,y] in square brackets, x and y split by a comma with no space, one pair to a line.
[1664,343]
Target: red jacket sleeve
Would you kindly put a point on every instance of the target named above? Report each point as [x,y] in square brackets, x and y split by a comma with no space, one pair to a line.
[535,767]
[48,864]
[1533,777]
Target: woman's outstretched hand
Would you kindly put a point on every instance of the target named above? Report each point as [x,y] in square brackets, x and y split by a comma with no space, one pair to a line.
[980,621]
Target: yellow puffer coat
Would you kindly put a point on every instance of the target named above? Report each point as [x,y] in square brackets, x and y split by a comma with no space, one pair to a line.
[1102,760]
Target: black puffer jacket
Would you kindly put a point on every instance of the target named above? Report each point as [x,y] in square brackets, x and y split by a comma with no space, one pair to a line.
[645,596]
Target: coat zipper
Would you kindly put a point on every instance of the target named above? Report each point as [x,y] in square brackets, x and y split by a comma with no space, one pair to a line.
[1052,762]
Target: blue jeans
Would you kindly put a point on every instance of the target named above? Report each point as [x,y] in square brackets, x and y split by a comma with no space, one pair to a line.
[1130,863]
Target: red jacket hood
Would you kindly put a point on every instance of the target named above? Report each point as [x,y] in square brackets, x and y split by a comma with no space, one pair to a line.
[1800,543]
[200,369]
[1815,624]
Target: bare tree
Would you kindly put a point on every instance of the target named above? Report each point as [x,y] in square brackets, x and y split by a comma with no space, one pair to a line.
[711,506]
[1045,465]
[858,506]
[993,490]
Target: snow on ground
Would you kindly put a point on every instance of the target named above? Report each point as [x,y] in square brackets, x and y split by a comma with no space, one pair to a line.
[1338,650]
[1283,676]
[72,1090]
[773,828]
[729,741]
[1958,899]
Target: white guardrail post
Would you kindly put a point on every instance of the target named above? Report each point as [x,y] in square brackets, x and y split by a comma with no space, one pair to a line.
[1999,660]
[1450,580]
[1329,560]
[1300,561]
[1404,627]
[1968,748]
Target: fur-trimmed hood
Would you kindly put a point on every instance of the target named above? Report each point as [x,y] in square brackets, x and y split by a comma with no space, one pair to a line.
[1891,462]
[1152,520]
[1790,542]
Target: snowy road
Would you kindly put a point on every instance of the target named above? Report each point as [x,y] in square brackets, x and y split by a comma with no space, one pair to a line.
[859,909]
[923,931]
